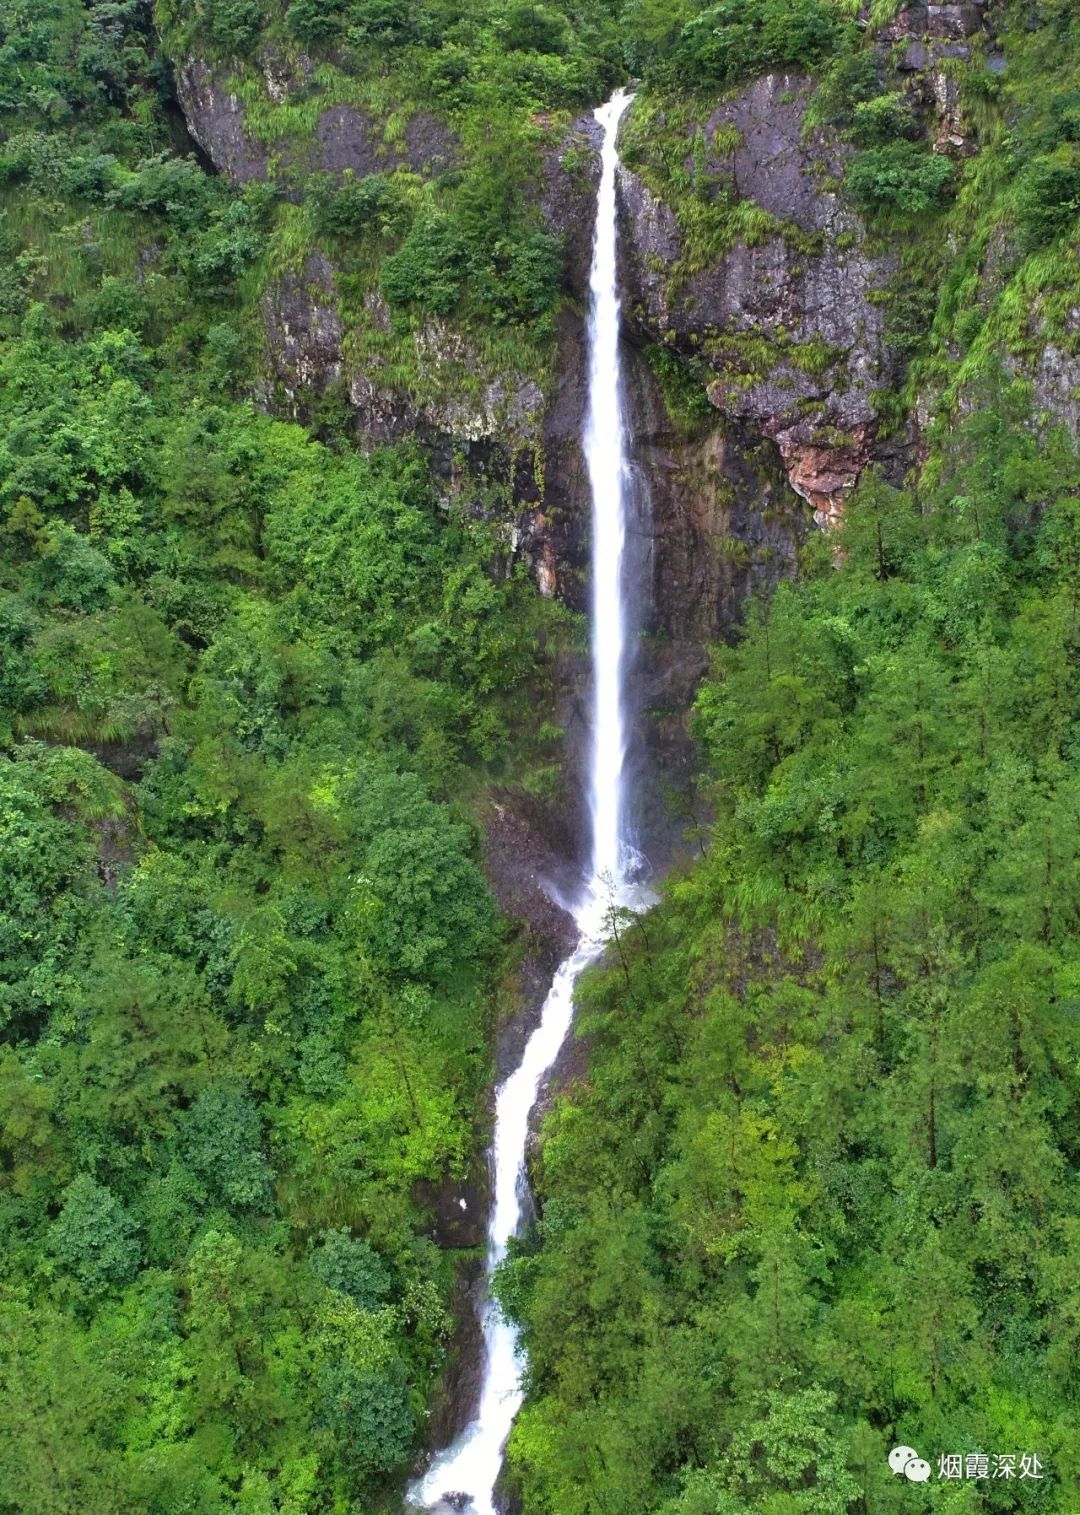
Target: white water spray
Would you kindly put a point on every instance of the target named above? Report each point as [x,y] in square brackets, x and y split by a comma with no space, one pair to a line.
[463,1477]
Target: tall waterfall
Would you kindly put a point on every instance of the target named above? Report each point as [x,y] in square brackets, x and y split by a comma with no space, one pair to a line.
[605,454]
[463,1476]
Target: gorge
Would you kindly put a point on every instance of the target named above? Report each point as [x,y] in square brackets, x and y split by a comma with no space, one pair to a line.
[464,1476]
[431,512]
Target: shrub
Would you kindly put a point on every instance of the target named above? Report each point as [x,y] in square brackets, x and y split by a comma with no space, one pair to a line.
[357,205]
[1065,110]
[343,1262]
[850,80]
[722,44]
[233,25]
[799,31]
[92,176]
[428,270]
[651,31]
[228,246]
[736,38]
[386,23]
[902,176]
[877,123]
[533,28]
[533,275]
[366,1409]
[162,185]
[72,572]
[1049,199]
[221,1142]
[313,22]
[94,1237]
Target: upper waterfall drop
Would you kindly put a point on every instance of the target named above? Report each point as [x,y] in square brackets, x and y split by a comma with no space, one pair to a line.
[463,1477]
[605,456]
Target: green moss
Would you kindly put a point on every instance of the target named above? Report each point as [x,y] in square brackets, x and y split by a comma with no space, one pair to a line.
[683,385]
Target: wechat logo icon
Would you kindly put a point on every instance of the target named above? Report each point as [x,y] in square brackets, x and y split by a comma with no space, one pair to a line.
[907,1461]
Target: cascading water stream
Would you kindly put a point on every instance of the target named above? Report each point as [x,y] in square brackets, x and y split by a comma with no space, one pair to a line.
[463,1477]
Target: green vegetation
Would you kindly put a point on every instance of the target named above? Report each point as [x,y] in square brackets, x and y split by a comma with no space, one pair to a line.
[251,685]
[245,975]
[736,39]
[900,176]
[704,46]
[818,1192]
[452,228]
[818,1195]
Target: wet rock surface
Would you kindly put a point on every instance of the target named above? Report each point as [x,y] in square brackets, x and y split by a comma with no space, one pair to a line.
[526,870]
[810,292]
[303,328]
[215,118]
[1056,375]
[454,1401]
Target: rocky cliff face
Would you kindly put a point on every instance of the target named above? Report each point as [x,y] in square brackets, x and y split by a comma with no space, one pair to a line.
[785,317]
[775,315]
[720,517]
[787,326]
[343,137]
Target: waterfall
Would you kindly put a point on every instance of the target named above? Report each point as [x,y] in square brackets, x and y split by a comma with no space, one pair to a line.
[463,1476]
[605,454]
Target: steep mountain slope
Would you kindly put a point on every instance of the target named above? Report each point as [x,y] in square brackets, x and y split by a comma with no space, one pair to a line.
[292,534]
[812,1194]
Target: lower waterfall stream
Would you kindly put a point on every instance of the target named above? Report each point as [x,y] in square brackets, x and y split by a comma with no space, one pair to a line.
[464,1475]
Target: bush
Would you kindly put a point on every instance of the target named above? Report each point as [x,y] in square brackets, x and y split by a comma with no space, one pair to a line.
[850,81]
[94,1237]
[1065,110]
[736,38]
[651,29]
[880,122]
[72,572]
[233,24]
[386,23]
[167,186]
[92,176]
[532,276]
[313,22]
[428,270]
[533,28]
[722,44]
[352,1267]
[800,31]
[228,246]
[1049,200]
[221,1142]
[367,1411]
[357,205]
[900,177]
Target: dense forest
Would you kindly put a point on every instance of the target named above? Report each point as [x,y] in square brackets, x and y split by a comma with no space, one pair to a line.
[814,1190]
[819,1194]
[250,684]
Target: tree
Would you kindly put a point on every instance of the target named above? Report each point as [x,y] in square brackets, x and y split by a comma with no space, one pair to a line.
[363,1396]
[94,1237]
[349,1265]
[221,1141]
